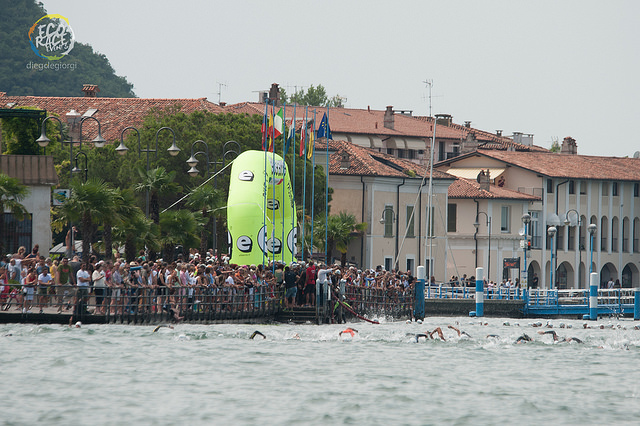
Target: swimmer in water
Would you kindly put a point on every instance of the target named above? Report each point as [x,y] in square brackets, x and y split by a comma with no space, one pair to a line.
[556,339]
[257,333]
[523,339]
[440,333]
[418,336]
[493,336]
[161,326]
[351,331]
[460,333]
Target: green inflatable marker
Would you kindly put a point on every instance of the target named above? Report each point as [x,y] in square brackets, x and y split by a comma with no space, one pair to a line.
[253,235]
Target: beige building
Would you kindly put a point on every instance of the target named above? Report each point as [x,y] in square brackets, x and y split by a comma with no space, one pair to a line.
[574,191]
[391,196]
[484,227]
[39,175]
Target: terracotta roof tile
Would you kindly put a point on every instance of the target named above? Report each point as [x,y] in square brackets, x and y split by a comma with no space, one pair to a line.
[114,114]
[29,169]
[467,188]
[368,162]
[571,166]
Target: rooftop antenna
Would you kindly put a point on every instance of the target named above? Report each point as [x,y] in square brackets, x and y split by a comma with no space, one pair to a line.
[219,92]
[429,84]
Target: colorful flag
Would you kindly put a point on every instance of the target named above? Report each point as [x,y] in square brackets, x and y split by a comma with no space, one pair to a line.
[290,135]
[303,135]
[264,132]
[278,123]
[270,135]
[311,143]
[324,131]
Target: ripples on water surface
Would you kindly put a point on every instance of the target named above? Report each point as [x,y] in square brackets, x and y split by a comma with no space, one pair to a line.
[213,374]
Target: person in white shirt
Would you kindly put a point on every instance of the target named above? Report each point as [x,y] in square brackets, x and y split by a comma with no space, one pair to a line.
[44,280]
[82,279]
[99,285]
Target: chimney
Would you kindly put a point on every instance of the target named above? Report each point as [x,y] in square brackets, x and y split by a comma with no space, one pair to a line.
[389,120]
[90,90]
[467,124]
[274,93]
[569,146]
[484,180]
[499,133]
[345,161]
[444,119]
[222,104]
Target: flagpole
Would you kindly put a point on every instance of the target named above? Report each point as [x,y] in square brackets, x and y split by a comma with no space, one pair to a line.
[293,215]
[265,137]
[284,167]
[304,178]
[326,193]
[313,177]
[273,188]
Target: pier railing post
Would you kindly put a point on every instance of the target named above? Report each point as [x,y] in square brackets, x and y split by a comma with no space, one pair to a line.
[418,308]
[479,312]
[594,279]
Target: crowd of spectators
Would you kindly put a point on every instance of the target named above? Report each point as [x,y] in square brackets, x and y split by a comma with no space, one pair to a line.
[193,283]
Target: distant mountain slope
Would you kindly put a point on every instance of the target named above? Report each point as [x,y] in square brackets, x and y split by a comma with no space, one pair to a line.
[22,71]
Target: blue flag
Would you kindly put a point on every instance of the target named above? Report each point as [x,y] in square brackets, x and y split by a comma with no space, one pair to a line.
[324,131]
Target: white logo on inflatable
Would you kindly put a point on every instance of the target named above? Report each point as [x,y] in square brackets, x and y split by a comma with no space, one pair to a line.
[272,245]
[292,239]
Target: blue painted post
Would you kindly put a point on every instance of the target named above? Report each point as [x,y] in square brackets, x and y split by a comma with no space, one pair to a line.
[636,305]
[594,279]
[418,309]
[479,312]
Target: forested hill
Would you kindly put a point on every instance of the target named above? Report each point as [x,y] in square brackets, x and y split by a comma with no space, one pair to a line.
[23,72]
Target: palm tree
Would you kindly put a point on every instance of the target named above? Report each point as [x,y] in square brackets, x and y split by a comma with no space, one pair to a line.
[178,227]
[341,230]
[90,203]
[136,232]
[157,182]
[207,200]
[12,192]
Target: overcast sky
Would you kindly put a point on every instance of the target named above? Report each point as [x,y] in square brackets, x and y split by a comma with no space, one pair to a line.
[551,68]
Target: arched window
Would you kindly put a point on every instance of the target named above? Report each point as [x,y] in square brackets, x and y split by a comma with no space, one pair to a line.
[604,233]
[614,234]
[625,235]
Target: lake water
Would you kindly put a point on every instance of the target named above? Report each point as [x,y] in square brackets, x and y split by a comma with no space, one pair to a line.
[214,374]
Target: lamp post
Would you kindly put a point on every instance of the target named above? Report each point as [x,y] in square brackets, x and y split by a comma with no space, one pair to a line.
[567,223]
[551,232]
[526,220]
[122,150]
[230,148]
[592,229]
[43,140]
[476,224]
[86,165]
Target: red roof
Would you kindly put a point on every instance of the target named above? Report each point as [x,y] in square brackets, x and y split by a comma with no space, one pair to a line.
[371,122]
[467,188]
[368,162]
[114,114]
[570,166]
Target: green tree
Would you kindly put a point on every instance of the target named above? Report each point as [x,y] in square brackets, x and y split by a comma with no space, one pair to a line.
[555,146]
[19,65]
[136,233]
[156,182]
[313,96]
[341,229]
[207,200]
[12,192]
[90,202]
[177,227]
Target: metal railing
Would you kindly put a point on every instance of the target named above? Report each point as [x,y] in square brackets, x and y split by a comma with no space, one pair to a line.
[145,304]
